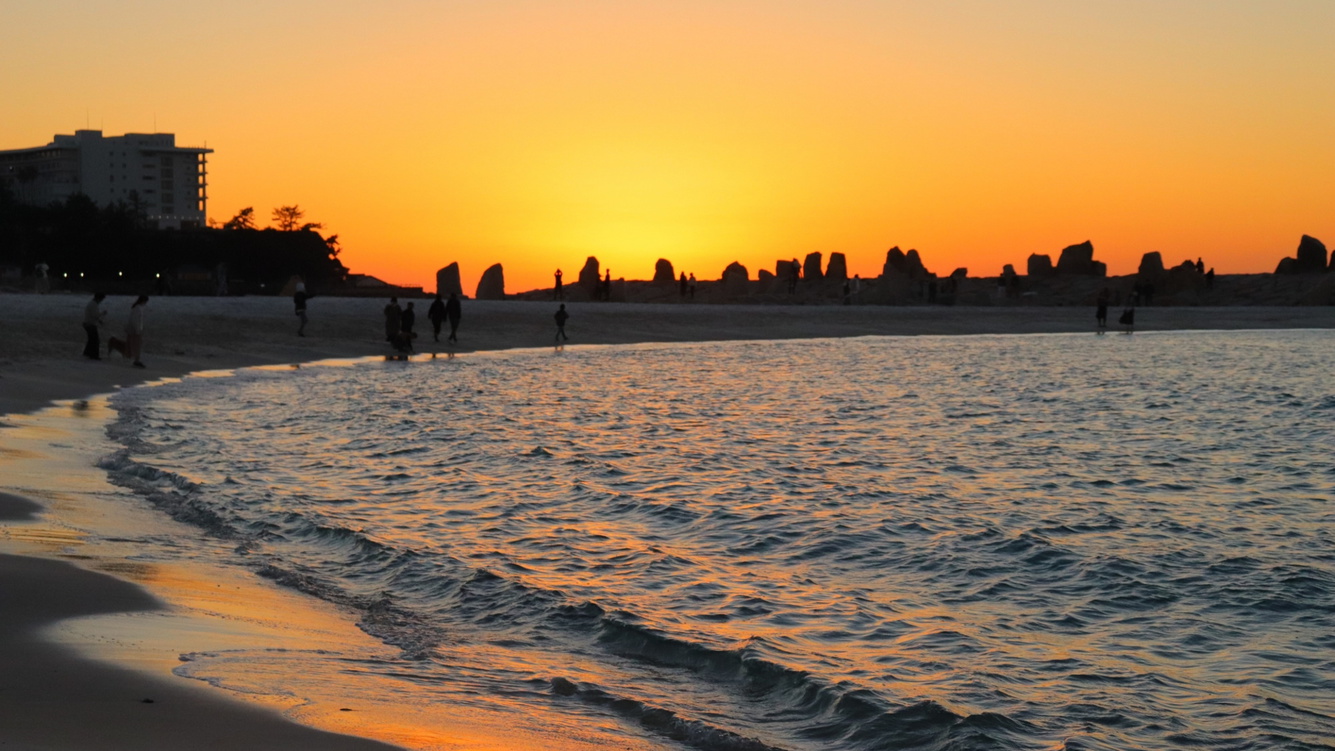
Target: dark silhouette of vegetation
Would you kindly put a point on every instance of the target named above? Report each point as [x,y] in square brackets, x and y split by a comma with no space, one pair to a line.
[244,219]
[84,245]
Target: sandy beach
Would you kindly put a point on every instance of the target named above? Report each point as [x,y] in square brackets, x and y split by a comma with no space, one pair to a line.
[117,690]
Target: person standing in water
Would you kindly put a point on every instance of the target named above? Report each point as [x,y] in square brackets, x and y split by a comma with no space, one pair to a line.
[299,298]
[454,310]
[1101,310]
[436,314]
[561,317]
[93,316]
[406,321]
[392,315]
[134,332]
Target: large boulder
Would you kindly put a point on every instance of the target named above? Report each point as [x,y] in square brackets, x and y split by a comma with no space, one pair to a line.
[1151,264]
[447,281]
[811,267]
[837,268]
[906,264]
[1040,265]
[663,271]
[735,279]
[1311,255]
[492,284]
[590,277]
[1077,260]
[735,271]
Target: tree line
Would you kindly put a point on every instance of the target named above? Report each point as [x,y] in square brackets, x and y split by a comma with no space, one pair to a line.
[83,244]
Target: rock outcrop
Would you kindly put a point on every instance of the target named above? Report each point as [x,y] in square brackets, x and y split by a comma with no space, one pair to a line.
[906,264]
[1311,258]
[811,268]
[1311,255]
[735,279]
[492,284]
[1040,266]
[1077,260]
[447,281]
[1151,265]
[590,277]
[663,271]
[837,269]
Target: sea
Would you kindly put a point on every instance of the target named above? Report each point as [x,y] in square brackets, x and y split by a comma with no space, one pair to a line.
[968,542]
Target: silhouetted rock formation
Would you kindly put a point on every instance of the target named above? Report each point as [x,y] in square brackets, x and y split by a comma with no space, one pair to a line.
[1151,265]
[811,268]
[898,262]
[837,270]
[590,277]
[663,271]
[735,279]
[447,281]
[1078,260]
[1040,265]
[492,284]
[1311,258]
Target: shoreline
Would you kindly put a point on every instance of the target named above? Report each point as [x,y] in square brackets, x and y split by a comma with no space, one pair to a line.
[41,367]
[42,339]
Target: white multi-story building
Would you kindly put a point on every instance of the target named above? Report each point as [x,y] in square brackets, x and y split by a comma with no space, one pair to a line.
[145,170]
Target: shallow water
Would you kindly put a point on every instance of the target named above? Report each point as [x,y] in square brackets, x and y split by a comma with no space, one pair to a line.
[1032,542]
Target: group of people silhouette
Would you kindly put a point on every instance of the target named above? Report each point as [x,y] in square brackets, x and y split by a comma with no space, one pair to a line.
[400,322]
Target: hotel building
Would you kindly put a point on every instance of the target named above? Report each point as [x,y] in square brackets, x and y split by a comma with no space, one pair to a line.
[168,182]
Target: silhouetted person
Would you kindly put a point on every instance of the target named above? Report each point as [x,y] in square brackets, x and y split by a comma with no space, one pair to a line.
[1128,320]
[794,273]
[557,292]
[683,284]
[561,317]
[407,319]
[692,286]
[133,346]
[454,310]
[1101,310]
[93,316]
[607,287]
[392,322]
[436,314]
[1209,278]
[848,292]
[299,298]
[1200,266]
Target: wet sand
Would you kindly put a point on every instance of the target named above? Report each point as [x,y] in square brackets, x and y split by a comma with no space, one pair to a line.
[55,697]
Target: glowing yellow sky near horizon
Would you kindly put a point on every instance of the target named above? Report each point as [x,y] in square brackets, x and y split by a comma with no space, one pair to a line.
[536,134]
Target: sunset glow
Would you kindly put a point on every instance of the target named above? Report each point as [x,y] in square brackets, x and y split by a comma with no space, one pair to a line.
[536,134]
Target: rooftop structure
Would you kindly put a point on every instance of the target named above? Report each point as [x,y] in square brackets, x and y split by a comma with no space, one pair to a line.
[148,170]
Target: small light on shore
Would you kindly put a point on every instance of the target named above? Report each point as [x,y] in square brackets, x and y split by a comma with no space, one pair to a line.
[157,276]
[120,273]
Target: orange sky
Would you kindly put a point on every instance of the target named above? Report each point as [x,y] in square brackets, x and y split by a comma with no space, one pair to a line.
[539,133]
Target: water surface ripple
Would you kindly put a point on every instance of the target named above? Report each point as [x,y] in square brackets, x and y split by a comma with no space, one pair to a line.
[1036,542]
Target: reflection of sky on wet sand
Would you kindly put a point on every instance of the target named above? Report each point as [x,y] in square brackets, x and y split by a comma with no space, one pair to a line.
[259,637]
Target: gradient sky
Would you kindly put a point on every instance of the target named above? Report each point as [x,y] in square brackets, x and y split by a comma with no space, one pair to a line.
[537,133]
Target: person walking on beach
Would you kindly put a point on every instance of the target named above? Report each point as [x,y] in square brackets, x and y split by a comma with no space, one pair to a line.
[406,321]
[561,317]
[557,292]
[683,285]
[93,316]
[299,298]
[392,315]
[133,346]
[436,314]
[454,310]
[1101,310]
[692,286]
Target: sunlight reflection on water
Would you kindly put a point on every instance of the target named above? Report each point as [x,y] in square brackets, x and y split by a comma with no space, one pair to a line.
[1014,542]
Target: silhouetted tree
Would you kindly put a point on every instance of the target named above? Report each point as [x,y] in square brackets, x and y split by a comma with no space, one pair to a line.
[244,219]
[288,218]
